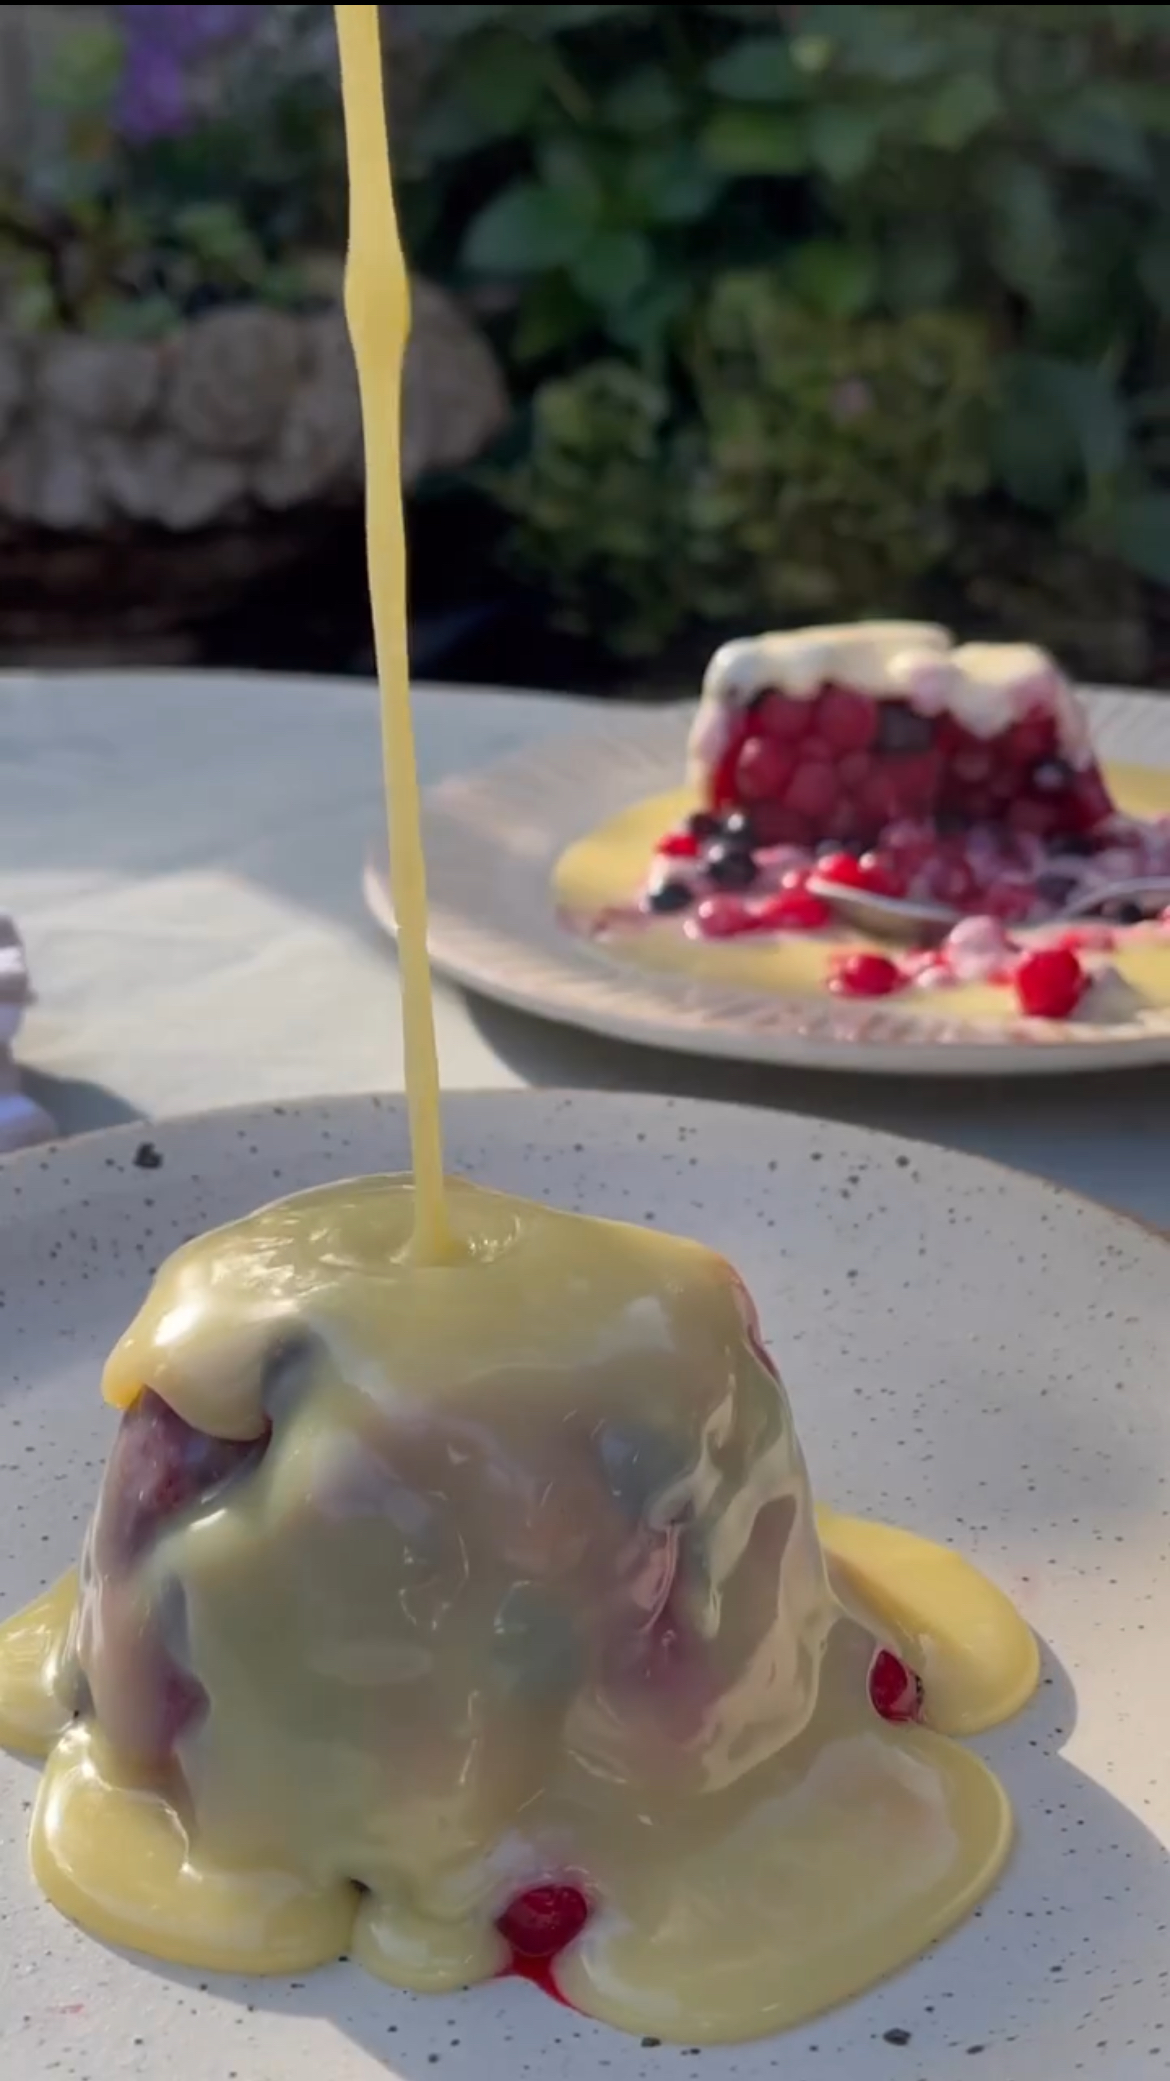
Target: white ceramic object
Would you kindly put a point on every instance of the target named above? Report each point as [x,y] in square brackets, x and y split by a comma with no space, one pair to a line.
[493,838]
[969,1352]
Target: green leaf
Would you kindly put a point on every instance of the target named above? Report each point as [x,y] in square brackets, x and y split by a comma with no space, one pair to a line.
[835,280]
[669,184]
[1061,424]
[84,70]
[565,165]
[1154,270]
[523,230]
[1024,237]
[502,85]
[642,102]
[1138,530]
[920,271]
[842,140]
[896,44]
[754,141]
[758,68]
[552,315]
[613,267]
[959,109]
[1092,131]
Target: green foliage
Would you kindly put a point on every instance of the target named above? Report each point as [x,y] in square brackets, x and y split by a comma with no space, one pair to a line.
[127,211]
[818,469]
[592,174]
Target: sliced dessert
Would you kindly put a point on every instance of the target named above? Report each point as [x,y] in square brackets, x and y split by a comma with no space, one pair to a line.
[899,763]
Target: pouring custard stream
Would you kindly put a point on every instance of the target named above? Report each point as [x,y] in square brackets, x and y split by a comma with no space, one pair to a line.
[377,304]
[455,1597]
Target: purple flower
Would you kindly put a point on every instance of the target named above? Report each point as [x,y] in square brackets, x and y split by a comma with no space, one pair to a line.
[162,45]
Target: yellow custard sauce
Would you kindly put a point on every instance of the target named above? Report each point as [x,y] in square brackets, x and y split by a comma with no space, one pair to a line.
[453,1552]
[603,871]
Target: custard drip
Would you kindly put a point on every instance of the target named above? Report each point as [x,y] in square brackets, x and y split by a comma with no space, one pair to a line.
[412,1587]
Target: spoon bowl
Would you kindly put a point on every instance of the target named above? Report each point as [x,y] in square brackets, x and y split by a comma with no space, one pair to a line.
[919,924]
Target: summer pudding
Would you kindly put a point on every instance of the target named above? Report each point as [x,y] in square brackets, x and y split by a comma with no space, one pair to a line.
[883,761]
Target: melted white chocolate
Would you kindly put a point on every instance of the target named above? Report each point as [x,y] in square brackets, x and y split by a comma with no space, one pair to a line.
[520,1582]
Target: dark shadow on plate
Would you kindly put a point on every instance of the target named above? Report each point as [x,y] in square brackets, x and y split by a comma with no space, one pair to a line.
[1048,1962]
[1105,1134]
[77,1105]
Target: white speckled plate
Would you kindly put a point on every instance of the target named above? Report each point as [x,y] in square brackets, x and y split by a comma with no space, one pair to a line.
[492,840]
[969,1351]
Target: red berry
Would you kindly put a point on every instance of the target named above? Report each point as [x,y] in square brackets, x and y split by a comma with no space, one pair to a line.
[782,720]
[974,766]
[762,770]
[679,845]
[1049,983]
[854,768]
[1008,901]
[1038,818]
[540,1922]
[841,868]
[952,882]
[722,786]
[775,826]
[1091,803]
[722,917]
[879,876]
[793,910]
[864,975]
[846,721]
[894,1690]
[1032,740]
[812,790]
[915,781]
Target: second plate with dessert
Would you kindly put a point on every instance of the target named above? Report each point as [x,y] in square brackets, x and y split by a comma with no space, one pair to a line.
[541,866]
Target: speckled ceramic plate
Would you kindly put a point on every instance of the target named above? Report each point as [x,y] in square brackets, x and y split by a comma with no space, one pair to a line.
[969,1351]
[492,840]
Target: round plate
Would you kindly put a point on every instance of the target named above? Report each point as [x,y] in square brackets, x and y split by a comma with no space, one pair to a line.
[970,1352]
[492,841]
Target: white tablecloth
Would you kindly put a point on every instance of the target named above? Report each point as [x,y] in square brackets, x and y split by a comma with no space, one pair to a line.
[183,850]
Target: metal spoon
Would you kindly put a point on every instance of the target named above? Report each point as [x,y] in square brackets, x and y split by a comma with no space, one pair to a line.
[897,917]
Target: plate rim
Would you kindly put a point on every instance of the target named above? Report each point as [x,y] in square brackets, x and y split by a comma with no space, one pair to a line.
[574,987]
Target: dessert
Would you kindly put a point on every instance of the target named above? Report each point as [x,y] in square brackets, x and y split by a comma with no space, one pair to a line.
[477,1616]
[878,761]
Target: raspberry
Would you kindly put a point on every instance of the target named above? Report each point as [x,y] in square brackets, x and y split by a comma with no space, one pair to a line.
[722,917]
[762,770]
[864,975]
[784,721]
[894,1690]
[846,721]
[811,791]
[1049,983]
[540,1922]
[793,910]
[678,845]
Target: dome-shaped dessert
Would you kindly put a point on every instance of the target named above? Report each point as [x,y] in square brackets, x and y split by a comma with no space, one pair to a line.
[453,1615]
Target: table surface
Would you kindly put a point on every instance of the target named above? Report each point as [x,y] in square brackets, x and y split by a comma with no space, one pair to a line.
[183,853]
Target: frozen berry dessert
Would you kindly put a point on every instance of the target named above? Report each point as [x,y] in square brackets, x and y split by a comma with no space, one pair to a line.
[475,1618]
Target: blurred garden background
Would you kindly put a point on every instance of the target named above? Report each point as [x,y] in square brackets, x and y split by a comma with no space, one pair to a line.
[727,317]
